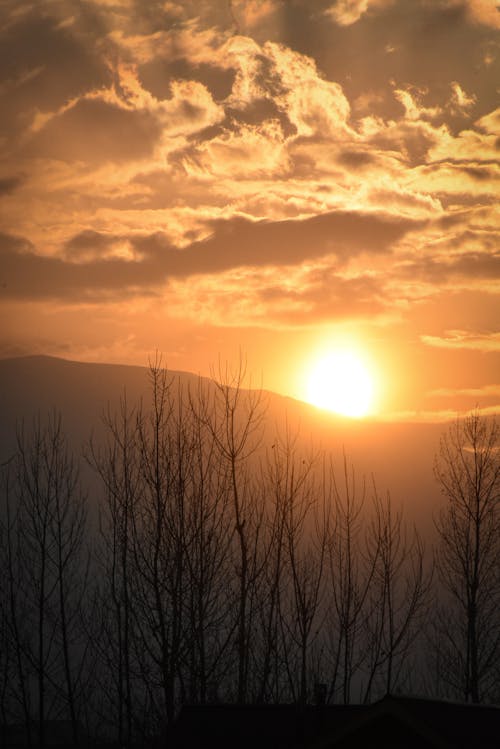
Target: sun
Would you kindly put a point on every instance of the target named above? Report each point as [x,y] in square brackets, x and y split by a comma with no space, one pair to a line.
[342,383]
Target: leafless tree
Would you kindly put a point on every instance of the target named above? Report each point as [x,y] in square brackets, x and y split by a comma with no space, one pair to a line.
[234,417]
[306,528]
[351,572]
[220,560]
[468,559]
[116,462]
[208,558]
[276,480]
[15,689]
[46,563]
[398,595]
[159,543]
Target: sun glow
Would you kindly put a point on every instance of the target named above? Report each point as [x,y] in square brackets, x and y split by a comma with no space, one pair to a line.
[342,383]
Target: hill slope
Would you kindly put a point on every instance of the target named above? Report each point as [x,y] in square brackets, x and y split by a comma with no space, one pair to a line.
[399,455]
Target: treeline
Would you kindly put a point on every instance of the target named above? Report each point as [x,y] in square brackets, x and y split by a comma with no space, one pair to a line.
[222,566]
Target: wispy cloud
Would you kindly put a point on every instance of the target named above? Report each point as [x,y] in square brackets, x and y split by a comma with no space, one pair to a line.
[347,12]
[485,391]
[462,339]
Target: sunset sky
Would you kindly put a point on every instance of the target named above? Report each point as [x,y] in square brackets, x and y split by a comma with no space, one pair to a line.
[280,177]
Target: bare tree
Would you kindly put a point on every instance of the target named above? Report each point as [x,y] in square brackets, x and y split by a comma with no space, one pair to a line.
[276,483]
[306,529]
[173,526]
[116,462]
[47,571]
[208,558]
[234,417]
[15,689]
[468,560]
[159,543]
[397,598]
[351,572]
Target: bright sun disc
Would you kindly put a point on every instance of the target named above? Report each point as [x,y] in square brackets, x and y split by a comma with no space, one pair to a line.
[341,383]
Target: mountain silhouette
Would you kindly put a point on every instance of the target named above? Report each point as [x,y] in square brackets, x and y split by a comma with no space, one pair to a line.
[398,456]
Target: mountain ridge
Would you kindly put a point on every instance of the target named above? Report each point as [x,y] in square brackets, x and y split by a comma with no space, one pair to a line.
[399,455]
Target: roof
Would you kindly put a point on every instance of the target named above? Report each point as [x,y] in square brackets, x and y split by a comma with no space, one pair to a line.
[420,723]
[58,734]
[258,726]
[391,722]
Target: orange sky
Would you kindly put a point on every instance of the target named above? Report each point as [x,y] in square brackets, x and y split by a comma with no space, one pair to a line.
[275,176]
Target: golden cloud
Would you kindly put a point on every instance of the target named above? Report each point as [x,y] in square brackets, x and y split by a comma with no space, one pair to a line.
[463,339]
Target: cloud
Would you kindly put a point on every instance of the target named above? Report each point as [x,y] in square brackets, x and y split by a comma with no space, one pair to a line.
[435,416]
[280,297]
[410,139]
[356,159]
[185,41]
[47,65]
[249,14]
[90,245]
[271,71]
[485,12]
[242,152]
[328,296]
[460,101]
[315,106]
[241,242]
[322,294]
[484,391]
[97,132]
[347,12]
[9,184]
[463,339]
[414,109]
[465,181]
[152,260]
[469,266]
[10,244]
[26,275]
[490,123]
[124,122]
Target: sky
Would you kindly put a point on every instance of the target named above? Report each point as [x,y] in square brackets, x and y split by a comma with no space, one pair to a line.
[272,179]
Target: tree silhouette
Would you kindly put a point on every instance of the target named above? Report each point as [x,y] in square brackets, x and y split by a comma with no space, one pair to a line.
[468,559]
[227,565]
[46,575]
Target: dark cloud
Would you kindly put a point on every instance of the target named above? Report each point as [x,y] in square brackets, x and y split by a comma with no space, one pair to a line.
[45,65]
[30,277]
[356,159]
[157,75]
[409,41]
[469,265]
[478,265]
[339,233]
[88,243]
[481,173]
[96,131]
[9,184]
[239,242]
[234,243]
[11,244]
[257,112]
[410,139]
